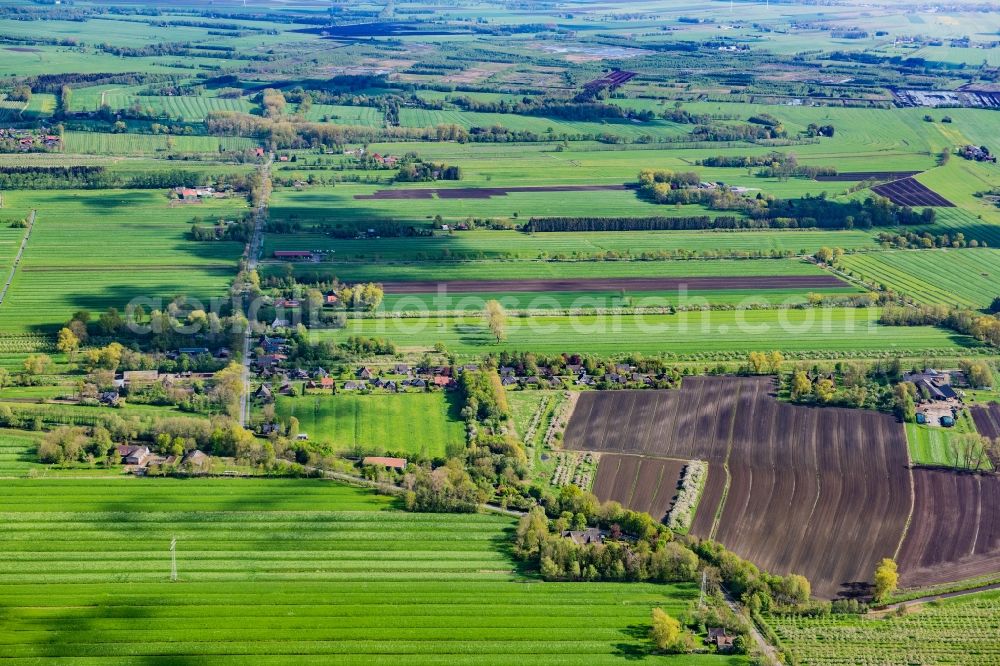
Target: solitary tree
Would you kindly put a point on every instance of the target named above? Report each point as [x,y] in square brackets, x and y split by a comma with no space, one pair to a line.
[666,633]
[67,342]
[886,580]
[496,319]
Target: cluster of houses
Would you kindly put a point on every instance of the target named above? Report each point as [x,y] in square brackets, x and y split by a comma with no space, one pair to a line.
[196,193]
[977,153]
[622,375]
[137,458]
[402,377]
[938,402]
[399,378]
[27,140]
[129,380]
[297,255]
[388,161]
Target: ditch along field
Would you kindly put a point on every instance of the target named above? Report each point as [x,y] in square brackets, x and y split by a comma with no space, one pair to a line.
[786,484]
[641,483]
[965,278]
[833,332]
[94,249]
[793,493]
[307,571]
[962,630]
[412,423]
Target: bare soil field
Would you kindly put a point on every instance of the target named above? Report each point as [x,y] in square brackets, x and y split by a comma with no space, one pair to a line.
[987,419]
[616,284]
[955,529]
[821,492]
[910,192]
[639,482]
[481,192]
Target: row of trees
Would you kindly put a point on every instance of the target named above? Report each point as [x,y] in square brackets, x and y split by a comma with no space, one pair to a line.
[983,327]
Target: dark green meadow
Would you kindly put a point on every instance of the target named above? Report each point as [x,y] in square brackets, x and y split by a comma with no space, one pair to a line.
[290,570]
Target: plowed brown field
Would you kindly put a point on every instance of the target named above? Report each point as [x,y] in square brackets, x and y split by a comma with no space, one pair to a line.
[955,529]
[639,482]
[821,492]
[987,419]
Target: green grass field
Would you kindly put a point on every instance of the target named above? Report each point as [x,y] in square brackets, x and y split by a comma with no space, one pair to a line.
[414,423]
[960,278]
[550,300]
[96,249]
[102,143]
[935,446]
[953,631]
[518,245]
[828,332]
[17,452]
[526,270]
[273,571]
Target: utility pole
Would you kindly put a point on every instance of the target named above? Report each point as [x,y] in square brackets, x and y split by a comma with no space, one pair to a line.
[173,560]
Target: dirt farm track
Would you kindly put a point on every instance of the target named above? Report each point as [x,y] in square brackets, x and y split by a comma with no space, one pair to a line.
[822,492]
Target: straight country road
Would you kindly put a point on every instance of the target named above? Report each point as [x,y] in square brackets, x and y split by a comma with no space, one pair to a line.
[17,259]
[253,256]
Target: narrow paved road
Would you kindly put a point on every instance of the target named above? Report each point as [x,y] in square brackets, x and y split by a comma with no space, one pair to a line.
[20,252]
[938,597]
[767,650]
[253,256]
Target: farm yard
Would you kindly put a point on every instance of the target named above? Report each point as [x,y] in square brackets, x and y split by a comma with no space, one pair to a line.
[415,423]
[791,511]
[272,570]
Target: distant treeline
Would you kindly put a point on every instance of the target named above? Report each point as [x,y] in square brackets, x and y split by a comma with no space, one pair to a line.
[772,165]
[53,83]
[98,177]
[805,213]
[530,106]
[691,223]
